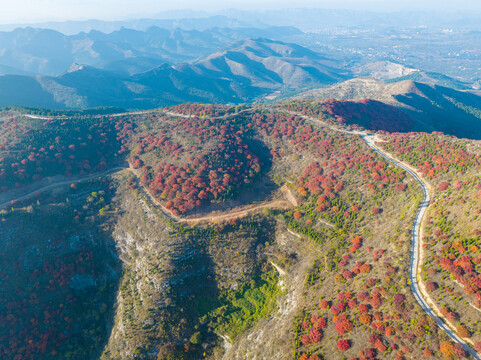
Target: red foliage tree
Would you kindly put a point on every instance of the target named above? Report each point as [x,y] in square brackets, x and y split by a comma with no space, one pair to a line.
[380,346]
[431,286]
[343,326]
[321,323]
[428,353]
[365,319]
[324,304]
[446,348]
[463,331]
[343,345]
[374,338]
[363,308]
[315,335]
[459,351]
[443,186]
[347,274]
[305,340]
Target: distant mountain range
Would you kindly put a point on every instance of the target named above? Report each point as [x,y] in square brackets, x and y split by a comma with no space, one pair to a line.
[308,19]
[172,20]
[142,69]
[243,72]
[48,52]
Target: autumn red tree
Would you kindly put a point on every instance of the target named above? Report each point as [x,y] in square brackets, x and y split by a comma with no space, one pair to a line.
[446,348]
[343,345]
[431,286]
[343,326]
[443,186]
[315,335]
[463,331]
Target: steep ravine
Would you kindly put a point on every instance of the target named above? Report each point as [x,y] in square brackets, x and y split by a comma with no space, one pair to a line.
[271,337]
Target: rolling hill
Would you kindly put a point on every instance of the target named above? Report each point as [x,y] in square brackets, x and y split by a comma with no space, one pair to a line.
[433,107]
[268,64]
[391,72]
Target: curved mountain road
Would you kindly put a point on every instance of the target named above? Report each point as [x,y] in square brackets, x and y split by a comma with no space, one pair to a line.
[43,117]
[416,256]
[417,288]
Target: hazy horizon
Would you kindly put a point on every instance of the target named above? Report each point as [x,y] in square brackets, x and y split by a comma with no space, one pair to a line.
[35,11]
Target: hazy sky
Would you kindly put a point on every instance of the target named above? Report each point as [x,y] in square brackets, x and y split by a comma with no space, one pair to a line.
[21,11]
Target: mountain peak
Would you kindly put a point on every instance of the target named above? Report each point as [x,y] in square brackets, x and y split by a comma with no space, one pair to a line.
[384,70]
[75,67]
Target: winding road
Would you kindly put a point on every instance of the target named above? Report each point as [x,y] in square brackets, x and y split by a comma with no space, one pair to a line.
[143,112]
[417,287]
[43,117]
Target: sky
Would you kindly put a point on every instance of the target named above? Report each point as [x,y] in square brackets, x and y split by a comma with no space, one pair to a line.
[28,11]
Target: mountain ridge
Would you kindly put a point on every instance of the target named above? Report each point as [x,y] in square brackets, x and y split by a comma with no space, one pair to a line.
[434,107]
[246,70]
[49,52]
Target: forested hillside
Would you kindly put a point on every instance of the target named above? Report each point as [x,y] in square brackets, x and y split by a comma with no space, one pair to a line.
[205,231]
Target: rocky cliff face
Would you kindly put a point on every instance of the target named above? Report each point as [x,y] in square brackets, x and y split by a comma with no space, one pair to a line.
[174,275]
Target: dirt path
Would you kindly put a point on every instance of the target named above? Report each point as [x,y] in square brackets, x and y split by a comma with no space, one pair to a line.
[287,193]
[226,116]
[217,216]
[237,213]
[61,183]
[279,270]
[143,112]
[93,116]
[214,217]
[325,223]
